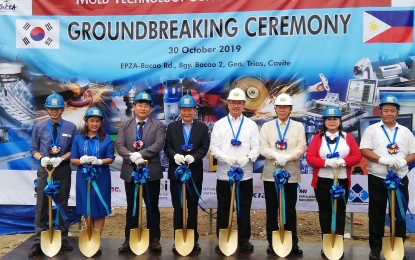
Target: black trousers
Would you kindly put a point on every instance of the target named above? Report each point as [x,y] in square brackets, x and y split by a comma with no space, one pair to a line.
[323,198]
[272,209]
[191,201]
[223,193]
[153,212]
[61,173]
[378,197]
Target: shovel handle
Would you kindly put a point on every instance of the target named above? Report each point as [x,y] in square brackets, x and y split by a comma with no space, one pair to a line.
[184,209]
[50,172]
[392,218]
[231,211]
[140,212]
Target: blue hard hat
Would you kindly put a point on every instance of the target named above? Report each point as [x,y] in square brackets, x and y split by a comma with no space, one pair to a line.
[143,97]
[331,111]
[389,99]
[93,111]
[54,101]
[187,101]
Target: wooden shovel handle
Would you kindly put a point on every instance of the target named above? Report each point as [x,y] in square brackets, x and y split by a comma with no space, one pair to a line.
[231,209]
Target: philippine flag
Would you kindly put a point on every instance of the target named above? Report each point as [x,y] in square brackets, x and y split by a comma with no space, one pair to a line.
[388,26]
[37,34]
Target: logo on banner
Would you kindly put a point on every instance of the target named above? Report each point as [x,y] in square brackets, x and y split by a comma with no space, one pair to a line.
[37,34]
[388,26]
[358,194]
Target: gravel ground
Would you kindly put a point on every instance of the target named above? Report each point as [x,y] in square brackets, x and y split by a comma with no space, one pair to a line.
[308,228]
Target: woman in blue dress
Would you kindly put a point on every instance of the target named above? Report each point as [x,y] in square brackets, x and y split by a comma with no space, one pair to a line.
[93,151]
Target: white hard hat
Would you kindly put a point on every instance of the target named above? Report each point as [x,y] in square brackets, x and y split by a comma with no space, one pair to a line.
[283,100]
[237,94]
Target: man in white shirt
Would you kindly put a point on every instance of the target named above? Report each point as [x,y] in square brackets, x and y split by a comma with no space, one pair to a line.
[235,142]
[386,144]
[283,142]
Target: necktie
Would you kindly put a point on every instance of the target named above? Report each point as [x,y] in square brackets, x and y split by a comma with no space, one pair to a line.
[140,128]
[55,131]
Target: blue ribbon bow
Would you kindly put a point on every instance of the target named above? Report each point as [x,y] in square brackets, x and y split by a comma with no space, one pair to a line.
[333,155]
[235,176]
[236,142]
[89,173]
[281,177]
[187,147]
[184,174]
[336,192]
[393,182]
[52,188]
[140,176]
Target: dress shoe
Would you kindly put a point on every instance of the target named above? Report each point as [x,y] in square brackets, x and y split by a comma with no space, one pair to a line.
[218,251]
[270,251]
[66,245]
[155,244]
[296,251]
[35,250]
[405,257]
[247,246]
[99,252]
[125,247]
[196,248]
[374,255]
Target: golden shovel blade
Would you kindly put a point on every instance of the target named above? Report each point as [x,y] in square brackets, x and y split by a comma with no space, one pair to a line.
[139,240]
[398,250]
[50,242]
[228,241]
[333,252]
[184,246]
[89,245]
[282,245]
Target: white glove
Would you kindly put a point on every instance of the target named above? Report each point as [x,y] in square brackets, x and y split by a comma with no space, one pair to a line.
[331,163]
[140,161]
[189,159]
[94,160]
[45,161]
[386,161]
[135,156]
[399,163]
[243,161]
[55,161]
[231,160]
[84,159]
[281,160]
[339,162]
[179,159]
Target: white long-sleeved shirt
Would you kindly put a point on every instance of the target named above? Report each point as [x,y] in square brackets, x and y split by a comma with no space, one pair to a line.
[296,147]
[375,139]
[221,147]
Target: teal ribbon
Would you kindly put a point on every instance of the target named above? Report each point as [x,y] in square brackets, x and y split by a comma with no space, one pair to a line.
[140,176]
[235,176]
[89,173]
[184,174]
[336,192]
[393,182]
[51,190]
[281,178]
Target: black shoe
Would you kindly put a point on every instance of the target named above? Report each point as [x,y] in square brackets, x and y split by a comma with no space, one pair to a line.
[405,257]
[218,251]
[99,252]
[196,248]
[296,251]
[247,246]
[155,244]
[374,255]
[125,247]
[66,245]
[270,251]
[35,250]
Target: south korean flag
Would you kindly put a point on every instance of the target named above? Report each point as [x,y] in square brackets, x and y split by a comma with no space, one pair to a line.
[37,34]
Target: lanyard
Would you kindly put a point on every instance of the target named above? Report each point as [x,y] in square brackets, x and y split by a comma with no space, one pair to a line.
[239,129]
[333,154]
[394,135]
[92,145]
[54,142]
[187,135]
[285,131]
